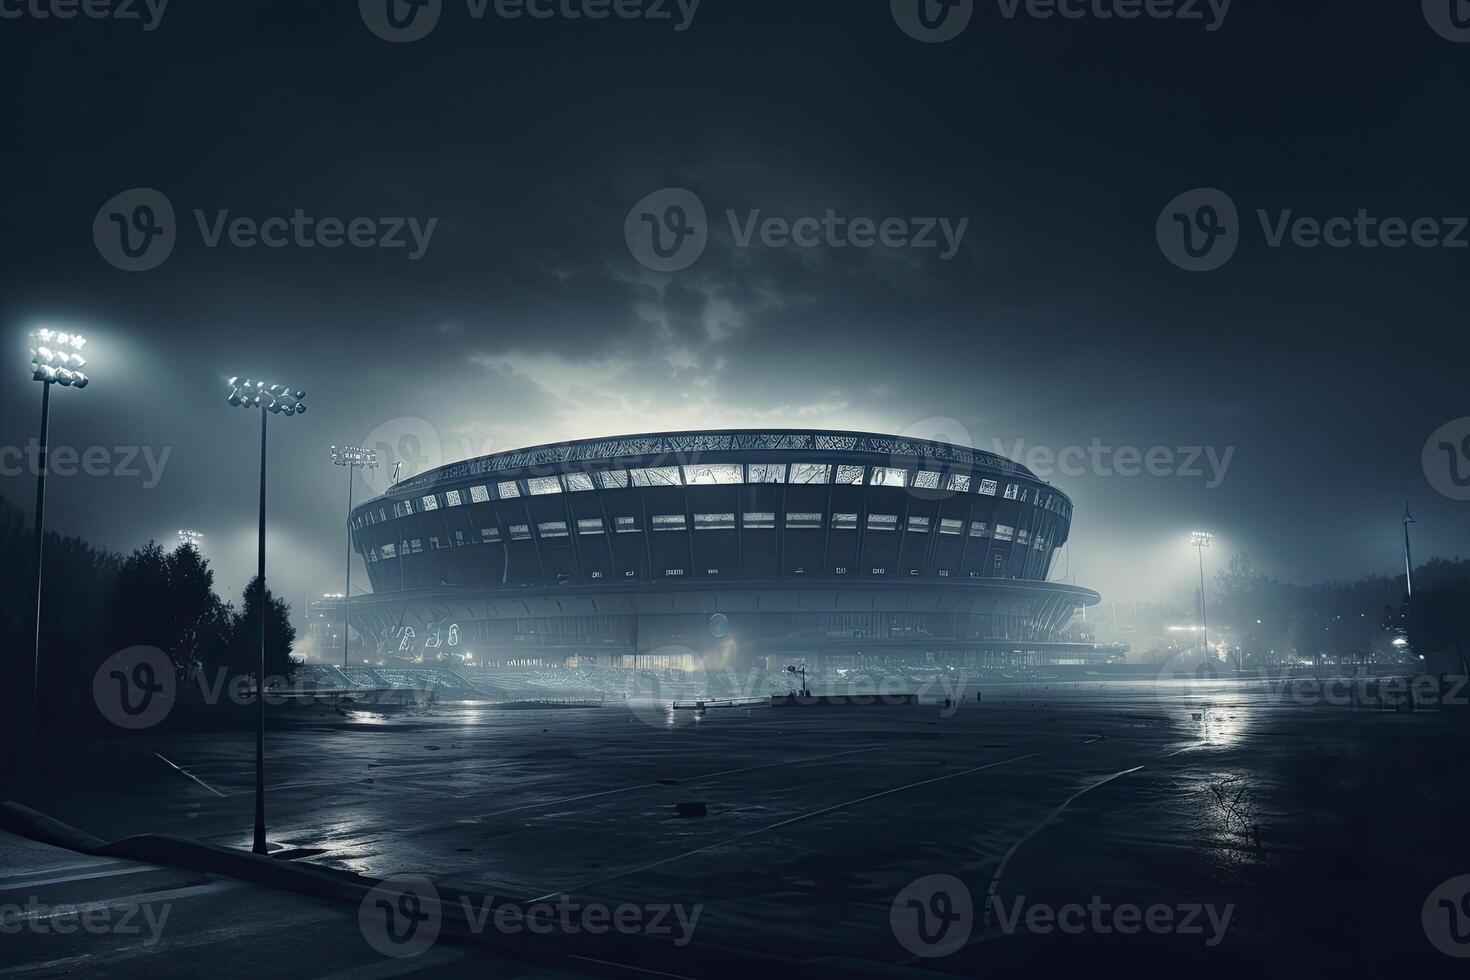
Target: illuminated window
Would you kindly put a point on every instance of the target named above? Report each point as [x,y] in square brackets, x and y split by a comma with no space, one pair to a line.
[1012,489]
[926,480]
[431,502]
[950,526]
[668,522]
[979,529]
[714,522]
[520,532]
[480,495]
[490,535]
[959,482]
[390,551]
[590,525]
[552,529]
[656,476]
[767,472]
[918,525]
[579,481]
[613,480]
[507,490]
[1023,536]
[1004,532]
[540,486]
[811,472]
[804,519]
[882,522]
[625,525]
[459,540]
[844,522]
[718,473]
[989,487]
[887,476]
[451,499]
[759,519]
[849,476]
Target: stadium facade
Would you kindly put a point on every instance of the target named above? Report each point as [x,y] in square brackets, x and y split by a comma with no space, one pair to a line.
[720,549]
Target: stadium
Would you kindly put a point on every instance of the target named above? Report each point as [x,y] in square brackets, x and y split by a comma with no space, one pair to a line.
[720,550]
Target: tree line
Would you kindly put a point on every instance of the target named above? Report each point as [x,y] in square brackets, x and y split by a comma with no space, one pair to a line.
[97,602]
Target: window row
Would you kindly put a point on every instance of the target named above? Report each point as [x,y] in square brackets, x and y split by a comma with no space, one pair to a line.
[755,520]
[721,474]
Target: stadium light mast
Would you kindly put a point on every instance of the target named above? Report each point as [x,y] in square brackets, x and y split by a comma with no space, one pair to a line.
[1202,540]
[353,458]
[56,359]
[271,400]
[194,539]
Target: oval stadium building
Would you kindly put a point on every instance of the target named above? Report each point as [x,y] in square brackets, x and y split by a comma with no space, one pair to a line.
[720,549]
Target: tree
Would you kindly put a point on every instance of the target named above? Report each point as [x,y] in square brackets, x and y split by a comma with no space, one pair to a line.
[167,600]
[242,652]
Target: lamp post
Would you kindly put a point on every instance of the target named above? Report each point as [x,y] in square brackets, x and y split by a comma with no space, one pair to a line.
[56,359]
[271,400]
[1201,540]
[353,458]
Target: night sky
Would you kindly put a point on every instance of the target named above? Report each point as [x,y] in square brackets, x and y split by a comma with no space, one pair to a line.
[1058,321]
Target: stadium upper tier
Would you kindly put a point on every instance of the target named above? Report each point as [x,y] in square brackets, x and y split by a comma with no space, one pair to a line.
[728,506]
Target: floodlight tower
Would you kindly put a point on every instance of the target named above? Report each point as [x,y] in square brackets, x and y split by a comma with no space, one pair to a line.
[271,400]
[1202,540]
[194,539]
[353,458]
[56,359]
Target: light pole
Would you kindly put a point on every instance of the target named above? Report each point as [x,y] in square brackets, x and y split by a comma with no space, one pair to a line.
[271,400]
[56,359]
[1201,540]
[353,458]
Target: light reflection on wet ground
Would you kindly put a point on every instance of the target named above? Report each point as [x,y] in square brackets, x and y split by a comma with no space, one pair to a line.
[816,819]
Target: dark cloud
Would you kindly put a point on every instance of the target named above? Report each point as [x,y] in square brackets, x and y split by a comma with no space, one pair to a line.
[1058,323]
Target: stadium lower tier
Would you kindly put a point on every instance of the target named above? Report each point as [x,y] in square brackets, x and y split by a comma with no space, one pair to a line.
[997,622]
